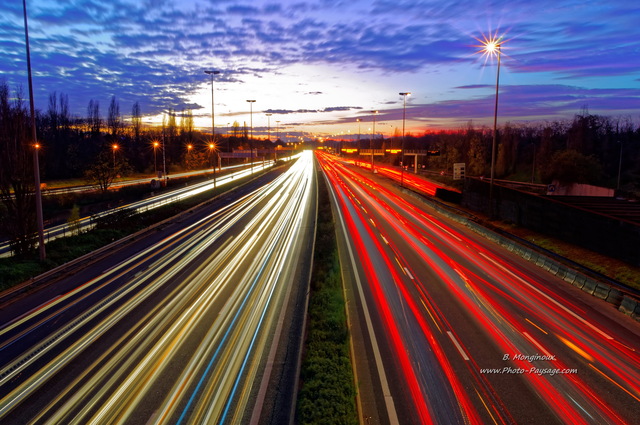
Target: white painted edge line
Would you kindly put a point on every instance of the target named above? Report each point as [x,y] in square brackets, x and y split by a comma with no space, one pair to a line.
[388,399]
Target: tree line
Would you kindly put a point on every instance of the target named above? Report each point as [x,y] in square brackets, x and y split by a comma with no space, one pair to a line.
[592,149]
[92,149]
[589,148]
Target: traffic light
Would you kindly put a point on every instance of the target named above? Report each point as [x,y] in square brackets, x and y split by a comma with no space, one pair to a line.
[433,153]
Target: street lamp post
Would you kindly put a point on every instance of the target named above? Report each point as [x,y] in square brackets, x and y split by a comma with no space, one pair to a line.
[164,157]
[268,127]
[269,132]
[251,102]
[115,148]
[358,120]
[36,146]
[213,126]
[212,149]
[404,114]
[373,133]
[494,47]
[156,144]
[189,147]
[619,166]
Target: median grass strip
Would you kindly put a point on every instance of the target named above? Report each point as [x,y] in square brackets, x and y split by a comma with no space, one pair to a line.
[327,393]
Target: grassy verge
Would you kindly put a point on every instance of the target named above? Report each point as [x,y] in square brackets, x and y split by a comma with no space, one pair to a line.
[108,229]
[327,393]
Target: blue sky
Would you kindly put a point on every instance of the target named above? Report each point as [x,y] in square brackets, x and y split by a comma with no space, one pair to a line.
[319,65]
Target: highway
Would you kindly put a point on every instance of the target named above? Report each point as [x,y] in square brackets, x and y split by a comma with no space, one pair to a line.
[229,175]
[449,328]
[182,327]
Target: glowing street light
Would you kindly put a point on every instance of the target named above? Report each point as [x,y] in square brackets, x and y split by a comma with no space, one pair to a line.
[404,113]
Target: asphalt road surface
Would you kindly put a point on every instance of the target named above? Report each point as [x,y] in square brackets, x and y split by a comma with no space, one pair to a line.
[449,328]
[193,324]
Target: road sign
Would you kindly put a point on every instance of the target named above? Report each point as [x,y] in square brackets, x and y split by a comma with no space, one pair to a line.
[458,170]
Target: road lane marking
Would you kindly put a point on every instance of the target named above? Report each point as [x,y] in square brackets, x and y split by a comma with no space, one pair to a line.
[457,344]
[408,273]
[485,406]
[537,344]
[430,315]
[620,386]
[539,328]
[604,334]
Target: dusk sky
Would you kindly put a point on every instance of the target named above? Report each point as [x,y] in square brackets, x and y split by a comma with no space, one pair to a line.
[319,65]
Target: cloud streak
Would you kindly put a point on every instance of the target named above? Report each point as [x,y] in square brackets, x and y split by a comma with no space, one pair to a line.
[561,55]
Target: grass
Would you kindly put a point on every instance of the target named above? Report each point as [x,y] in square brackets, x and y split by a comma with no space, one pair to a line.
[327,393]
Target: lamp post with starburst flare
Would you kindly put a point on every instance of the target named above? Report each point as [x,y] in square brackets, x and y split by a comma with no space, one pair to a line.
[492,47]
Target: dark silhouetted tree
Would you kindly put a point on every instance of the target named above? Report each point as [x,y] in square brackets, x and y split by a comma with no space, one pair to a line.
[16,173]
[571,166]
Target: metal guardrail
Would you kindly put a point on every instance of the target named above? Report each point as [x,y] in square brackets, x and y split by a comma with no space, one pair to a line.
[93,256]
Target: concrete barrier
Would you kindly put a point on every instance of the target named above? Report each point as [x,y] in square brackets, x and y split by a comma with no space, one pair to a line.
[615,297]
[626,304]
[601,291]
[570,275]
[630,306]
[589,286]
[579,280]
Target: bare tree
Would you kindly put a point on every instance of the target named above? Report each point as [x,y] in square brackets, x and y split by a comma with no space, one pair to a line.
[104,169]
[113,119]
[52,113]
[93,118]
[64,117]
[16,173]
[136,121]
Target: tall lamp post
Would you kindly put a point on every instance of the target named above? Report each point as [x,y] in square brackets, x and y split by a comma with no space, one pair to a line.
[493,47]
[164,156]
[404,114]
[268,127]
[36,145]
[269,133]
[156,144]
[212,149]
[619,166]
[251,102]
[115,148]
[373,134]
[213,125]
